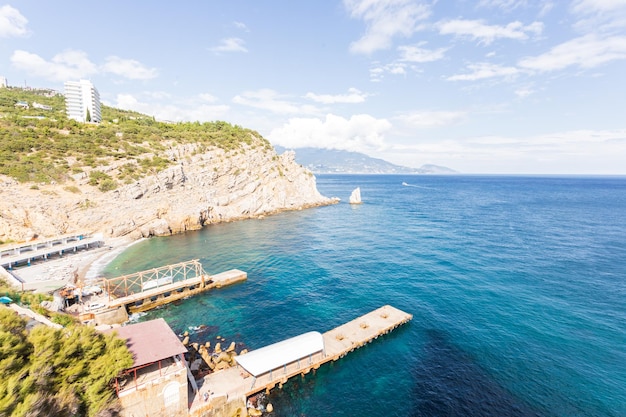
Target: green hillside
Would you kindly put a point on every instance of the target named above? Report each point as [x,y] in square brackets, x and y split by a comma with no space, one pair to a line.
[44,146]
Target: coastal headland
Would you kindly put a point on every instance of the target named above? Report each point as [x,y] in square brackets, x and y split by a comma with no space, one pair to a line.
[201,189]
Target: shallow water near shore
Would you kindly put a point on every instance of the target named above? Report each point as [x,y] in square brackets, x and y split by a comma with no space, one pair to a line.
[517,286]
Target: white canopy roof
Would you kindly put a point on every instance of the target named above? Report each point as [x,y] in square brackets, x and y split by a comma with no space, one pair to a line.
[274,356]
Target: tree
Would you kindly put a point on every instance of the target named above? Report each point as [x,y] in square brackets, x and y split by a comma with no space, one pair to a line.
[61,372]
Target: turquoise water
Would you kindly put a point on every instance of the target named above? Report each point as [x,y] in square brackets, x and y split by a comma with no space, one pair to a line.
[517,286]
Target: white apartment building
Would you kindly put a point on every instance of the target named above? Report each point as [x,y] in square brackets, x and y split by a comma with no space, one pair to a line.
[82,101]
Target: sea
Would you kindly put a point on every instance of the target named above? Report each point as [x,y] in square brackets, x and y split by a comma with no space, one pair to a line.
[516,284]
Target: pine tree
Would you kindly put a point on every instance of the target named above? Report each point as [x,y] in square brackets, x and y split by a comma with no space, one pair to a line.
[61,372]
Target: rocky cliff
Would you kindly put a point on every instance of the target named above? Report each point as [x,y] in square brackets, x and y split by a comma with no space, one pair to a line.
[200,188]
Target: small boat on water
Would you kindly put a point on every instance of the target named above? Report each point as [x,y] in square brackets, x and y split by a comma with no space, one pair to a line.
[355,197]
[405,184]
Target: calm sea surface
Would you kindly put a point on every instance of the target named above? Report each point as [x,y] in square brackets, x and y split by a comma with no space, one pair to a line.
[517,286]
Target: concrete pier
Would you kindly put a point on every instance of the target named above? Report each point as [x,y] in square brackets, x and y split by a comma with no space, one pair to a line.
[234,384]
[145,290]
[149,299]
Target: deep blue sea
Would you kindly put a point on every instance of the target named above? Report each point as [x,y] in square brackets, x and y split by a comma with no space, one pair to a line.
[517,286]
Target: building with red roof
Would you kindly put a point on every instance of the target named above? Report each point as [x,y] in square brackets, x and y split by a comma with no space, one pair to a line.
[157,383]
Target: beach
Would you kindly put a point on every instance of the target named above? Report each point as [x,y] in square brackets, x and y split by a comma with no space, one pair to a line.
[80,267]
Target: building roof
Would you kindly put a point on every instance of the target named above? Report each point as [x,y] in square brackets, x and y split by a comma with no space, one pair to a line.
[274,356]
[150,341]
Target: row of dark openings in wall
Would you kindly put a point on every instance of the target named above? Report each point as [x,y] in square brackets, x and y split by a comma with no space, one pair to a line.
[167,294]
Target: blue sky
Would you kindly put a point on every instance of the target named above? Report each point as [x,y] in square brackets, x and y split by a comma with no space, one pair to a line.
[482,86]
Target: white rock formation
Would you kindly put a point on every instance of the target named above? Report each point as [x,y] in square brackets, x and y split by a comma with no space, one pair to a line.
[200,189]
[355,197]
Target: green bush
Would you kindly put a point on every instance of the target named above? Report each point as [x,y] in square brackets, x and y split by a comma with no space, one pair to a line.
[108,184]
[72,189]
[40,310]
[63,319]
[31,298]
[60,372]
[97,177]
[39,150]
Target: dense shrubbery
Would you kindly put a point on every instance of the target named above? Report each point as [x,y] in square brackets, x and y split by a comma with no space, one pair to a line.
[33,301]
[64,372]
[28,298]
[43,145]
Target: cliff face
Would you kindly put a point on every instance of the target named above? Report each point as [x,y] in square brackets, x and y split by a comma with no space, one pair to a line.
[203,187]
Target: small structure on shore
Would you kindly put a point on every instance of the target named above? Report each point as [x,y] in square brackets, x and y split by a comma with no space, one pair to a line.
[25,253]
[157,382]
[355,197]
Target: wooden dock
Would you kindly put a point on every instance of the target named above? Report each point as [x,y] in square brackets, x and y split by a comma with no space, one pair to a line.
[235,383]
[145,290]
[149,299]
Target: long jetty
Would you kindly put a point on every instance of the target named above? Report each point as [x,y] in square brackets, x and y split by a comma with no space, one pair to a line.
[233,383]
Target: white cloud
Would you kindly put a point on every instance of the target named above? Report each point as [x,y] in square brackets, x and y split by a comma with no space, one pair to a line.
[129,68]
[67,65]
[12,23]
[230,45]
[353,96]
[158,95]
[502,4]
[415,53]
[409,56]
[359,133]
[241,25]
[506,5]
[567,152]
[378,72]
[545,9]
[476,29]
[587,147]
[483,70]
[128,102]
[599,15]
[585,52]
[385,19]
[592,6]
[208,97]
[524,92]
[191,110]
[267,99]
[73,65]
[430,119]
[396,68]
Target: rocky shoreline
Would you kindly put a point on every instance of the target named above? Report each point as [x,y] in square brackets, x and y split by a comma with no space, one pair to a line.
[201,189]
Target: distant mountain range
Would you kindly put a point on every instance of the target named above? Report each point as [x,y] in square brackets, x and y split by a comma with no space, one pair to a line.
[330,161]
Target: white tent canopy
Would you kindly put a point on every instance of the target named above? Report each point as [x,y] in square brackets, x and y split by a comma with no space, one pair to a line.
[274,356]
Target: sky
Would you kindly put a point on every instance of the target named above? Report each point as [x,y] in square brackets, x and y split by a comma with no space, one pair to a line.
[480,86]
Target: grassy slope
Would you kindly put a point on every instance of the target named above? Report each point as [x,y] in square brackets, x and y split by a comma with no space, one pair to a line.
[44,146]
